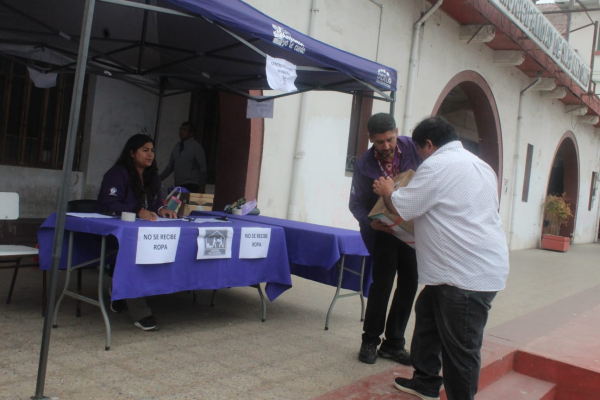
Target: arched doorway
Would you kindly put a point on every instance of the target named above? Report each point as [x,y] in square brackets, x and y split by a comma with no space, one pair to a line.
[467,103]
[564,178]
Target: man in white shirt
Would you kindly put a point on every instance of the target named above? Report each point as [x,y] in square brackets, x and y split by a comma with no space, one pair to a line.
[462,259]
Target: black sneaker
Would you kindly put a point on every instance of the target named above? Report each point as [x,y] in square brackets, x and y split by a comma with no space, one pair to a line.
[148,323]
[117,306]
[401,356]
[368,353]
[409,386]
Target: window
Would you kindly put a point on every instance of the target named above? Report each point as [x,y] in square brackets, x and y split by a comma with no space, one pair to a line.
[34,121]
[527,176]
[593,189]
[358,139]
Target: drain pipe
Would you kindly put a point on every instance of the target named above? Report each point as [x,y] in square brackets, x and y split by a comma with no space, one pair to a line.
[300,149]
[513,202]
[597,197]
[412,65]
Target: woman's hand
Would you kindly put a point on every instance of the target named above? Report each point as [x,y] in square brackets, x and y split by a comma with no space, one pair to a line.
[166,213]
[147,215]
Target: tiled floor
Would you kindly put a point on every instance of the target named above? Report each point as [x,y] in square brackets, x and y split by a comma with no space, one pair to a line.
[225,352]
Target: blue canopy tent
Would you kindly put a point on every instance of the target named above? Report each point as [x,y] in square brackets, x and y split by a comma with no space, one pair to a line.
[182,45]
[169,47]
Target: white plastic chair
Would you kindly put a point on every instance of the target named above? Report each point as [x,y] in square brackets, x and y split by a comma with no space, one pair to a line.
[9,253]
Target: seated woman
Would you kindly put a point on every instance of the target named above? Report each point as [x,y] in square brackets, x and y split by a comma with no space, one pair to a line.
[133,185]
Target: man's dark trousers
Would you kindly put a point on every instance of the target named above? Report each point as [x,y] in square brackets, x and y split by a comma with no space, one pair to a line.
[450,322]
[390,255]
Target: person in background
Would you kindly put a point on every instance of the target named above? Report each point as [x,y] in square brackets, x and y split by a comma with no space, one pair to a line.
[462,257]
[132,185]
[188,161]
[389,156]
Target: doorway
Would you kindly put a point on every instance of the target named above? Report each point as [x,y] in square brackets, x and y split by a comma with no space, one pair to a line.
[564,178]
[232,143]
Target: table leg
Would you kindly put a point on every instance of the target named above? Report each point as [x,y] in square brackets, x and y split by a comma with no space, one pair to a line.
[262,299]
[212,299]
[339,287]
[337,291]
[78,302]
[67,280]
[14,279]
[362,297]
[100,292]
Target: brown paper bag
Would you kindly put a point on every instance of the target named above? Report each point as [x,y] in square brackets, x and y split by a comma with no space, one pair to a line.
[404,230]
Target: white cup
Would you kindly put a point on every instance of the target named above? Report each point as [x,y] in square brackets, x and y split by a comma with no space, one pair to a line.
[127,216]
[236,211]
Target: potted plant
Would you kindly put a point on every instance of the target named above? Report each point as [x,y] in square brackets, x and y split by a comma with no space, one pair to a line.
[557,212]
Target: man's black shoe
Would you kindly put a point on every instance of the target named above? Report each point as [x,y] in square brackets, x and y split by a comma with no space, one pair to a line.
[409,386]
[368,353]
[401,356]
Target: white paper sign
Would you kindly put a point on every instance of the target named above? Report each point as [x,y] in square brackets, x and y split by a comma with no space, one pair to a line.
[157,245]
[260,109]
[254,242]
[281,74]
[214,243]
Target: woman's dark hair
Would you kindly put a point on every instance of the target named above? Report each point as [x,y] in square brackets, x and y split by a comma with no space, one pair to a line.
[436,129]
[151,184]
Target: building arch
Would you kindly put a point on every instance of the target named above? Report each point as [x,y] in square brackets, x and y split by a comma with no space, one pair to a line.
[468,103]
[564,178]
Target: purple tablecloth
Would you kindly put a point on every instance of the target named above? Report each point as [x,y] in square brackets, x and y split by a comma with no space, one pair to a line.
[131,280]
[315,249]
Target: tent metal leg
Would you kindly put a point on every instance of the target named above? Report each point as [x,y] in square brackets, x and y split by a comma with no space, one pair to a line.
[337,295]
[84,44]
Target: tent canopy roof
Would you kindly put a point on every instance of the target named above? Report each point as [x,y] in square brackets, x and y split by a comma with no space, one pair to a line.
[222,45]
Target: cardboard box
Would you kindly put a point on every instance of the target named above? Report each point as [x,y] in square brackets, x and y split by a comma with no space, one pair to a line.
[404,230]
[199,198]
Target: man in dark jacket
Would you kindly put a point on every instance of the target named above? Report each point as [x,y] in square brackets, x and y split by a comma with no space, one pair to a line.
[390,155]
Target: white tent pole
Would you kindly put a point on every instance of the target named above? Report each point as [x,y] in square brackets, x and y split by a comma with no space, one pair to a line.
[86,28]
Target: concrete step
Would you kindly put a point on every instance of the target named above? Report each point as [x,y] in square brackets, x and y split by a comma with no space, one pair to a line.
[496,362]
[514,386]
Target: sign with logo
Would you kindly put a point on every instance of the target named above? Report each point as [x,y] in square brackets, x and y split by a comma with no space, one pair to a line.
[157,245]
[254,242]
[281,74]
[214,243]
[538,28]
[283,38]
[384,78]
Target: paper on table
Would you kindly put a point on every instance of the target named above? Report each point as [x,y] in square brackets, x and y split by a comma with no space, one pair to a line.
[88,215]
[161,219]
